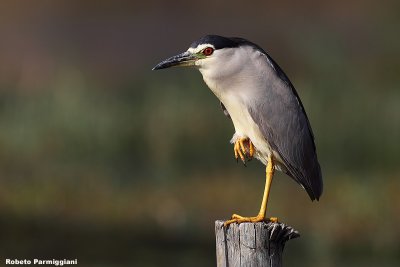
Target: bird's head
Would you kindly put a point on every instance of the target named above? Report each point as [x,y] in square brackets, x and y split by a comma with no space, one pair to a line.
[209,51]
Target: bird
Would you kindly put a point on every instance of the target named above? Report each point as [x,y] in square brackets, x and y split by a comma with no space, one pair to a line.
[268,116]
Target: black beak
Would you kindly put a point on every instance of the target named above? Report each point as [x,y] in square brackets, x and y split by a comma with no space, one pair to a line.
[183,59]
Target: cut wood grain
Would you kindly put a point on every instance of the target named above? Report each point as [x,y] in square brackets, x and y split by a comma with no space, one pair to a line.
[252,244]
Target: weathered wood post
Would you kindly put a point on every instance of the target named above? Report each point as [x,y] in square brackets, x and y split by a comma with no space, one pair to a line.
[252,244]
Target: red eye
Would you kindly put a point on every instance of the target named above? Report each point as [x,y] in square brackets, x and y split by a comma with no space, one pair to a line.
[208,51]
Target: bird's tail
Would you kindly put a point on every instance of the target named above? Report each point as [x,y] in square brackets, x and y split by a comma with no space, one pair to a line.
[314,185]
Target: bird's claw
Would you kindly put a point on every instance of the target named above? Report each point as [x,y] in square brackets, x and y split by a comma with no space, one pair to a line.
[240,219]
[243,149]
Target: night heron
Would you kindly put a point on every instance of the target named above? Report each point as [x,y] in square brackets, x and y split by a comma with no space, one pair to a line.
[269,119]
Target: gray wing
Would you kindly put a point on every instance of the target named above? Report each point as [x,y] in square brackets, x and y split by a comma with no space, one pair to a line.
[284,123]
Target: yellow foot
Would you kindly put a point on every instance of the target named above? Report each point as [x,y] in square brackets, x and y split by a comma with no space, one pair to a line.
[243,149]
[240,219]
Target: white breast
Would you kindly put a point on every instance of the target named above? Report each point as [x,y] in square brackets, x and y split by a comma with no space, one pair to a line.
[245,127]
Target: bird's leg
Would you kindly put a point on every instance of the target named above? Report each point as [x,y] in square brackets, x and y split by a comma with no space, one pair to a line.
[242,151]
[261,214]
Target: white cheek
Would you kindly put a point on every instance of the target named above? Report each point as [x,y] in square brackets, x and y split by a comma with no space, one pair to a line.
[206,63]
[198,63]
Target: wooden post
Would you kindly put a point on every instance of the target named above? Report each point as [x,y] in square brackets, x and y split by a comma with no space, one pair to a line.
[251,244]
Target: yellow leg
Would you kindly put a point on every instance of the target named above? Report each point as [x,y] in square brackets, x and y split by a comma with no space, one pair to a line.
[261,214]
[238,152]
[241,151]
[251,149]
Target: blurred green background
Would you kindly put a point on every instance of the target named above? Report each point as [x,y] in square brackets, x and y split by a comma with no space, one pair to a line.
[105,161]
